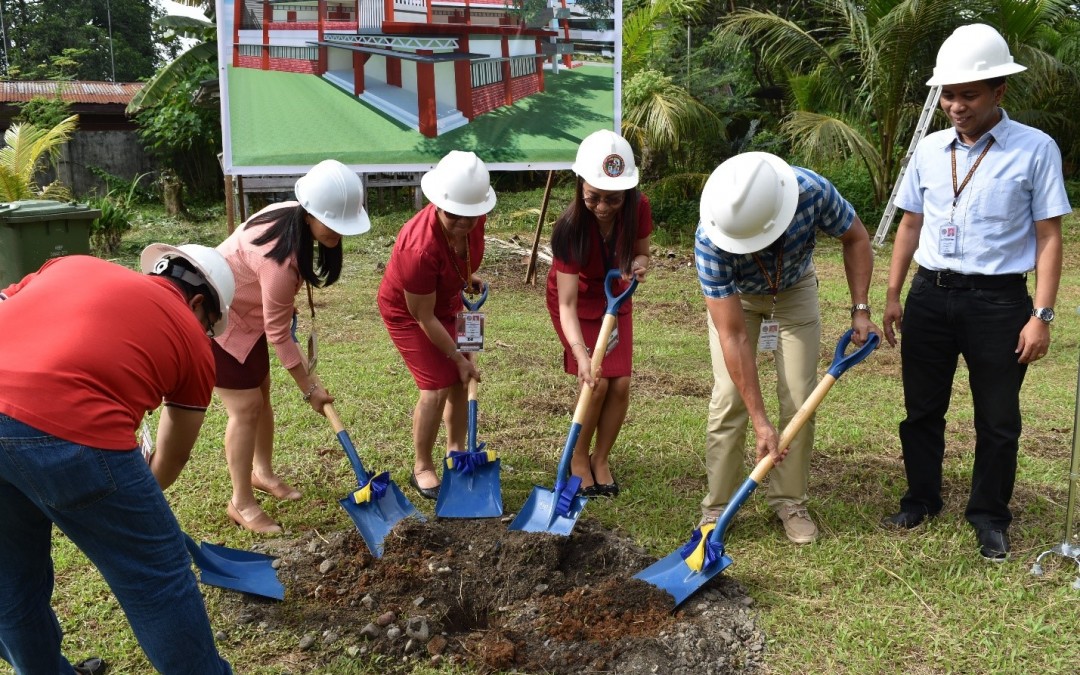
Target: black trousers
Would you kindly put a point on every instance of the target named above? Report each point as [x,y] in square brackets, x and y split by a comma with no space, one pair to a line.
[983,325]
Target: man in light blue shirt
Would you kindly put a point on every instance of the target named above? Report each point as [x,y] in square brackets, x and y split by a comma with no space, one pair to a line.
[983,203]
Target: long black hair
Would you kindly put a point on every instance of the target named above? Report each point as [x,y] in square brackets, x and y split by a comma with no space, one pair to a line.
[291,234]
[572,234]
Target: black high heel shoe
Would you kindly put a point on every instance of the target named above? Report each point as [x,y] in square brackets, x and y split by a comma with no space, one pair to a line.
[428,493]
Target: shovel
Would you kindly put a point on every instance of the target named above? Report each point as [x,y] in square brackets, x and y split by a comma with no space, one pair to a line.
[235,570]
[557,511]
[377,504]
[470,479]
[703,557]
[229,568]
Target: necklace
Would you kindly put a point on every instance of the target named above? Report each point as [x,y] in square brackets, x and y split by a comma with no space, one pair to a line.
[464,277]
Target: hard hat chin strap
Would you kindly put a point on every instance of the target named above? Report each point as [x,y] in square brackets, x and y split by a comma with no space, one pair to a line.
[164,269]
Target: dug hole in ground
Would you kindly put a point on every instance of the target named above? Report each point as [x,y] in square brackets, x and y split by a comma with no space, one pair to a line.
[474,594]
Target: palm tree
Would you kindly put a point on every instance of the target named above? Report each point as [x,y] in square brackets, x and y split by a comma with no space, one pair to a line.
[181,68]
[26,149]
[855,73]
[660,117]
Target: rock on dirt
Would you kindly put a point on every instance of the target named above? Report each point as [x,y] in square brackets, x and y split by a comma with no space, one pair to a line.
[473,594]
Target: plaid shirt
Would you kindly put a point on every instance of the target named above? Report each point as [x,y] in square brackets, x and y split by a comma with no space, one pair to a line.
[821,207]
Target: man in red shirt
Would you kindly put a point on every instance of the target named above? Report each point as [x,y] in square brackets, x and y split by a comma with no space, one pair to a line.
[87,348]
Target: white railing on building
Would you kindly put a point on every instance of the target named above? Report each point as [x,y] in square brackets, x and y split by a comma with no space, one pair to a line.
[372,14]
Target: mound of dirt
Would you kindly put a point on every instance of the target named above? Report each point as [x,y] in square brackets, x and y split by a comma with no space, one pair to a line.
[473,593]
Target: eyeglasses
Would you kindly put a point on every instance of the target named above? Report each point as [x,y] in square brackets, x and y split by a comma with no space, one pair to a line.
[613,199]
[454,216]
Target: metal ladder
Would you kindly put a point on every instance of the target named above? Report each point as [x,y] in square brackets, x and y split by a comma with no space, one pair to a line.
[920,131]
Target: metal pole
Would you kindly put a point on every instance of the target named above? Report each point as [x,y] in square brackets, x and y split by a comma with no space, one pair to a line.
[112,59]
[1066,549]
[3,36]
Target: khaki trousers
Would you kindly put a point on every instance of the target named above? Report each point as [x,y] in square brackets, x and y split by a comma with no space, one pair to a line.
[796,357]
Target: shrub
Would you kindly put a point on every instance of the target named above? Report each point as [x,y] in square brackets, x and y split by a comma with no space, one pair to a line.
[116,208]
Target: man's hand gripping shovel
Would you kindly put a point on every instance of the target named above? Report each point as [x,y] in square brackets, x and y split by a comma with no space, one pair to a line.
[703,557]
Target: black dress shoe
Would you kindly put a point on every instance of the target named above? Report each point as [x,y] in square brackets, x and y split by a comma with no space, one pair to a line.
[591,491]
[904,519]
[993,544]
[428,493]
[91,666]
[608,489]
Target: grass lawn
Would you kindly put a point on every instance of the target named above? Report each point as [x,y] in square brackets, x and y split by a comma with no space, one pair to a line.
[289,119]
[861,600]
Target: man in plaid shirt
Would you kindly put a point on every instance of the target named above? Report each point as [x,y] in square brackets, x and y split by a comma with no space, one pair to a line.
[754,255]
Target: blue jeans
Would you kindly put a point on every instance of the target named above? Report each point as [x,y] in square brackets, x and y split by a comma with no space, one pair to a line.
[109,505]
[983,325]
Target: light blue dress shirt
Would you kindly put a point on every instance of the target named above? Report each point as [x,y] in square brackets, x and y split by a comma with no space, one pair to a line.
[1018,182]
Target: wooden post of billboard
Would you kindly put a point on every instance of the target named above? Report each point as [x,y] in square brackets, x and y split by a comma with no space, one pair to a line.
[530,274]
[230,205]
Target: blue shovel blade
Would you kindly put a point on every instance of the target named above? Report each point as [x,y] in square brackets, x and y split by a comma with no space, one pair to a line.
[674,576]
[477,494]
[374,520]
[538,514]
[236,570]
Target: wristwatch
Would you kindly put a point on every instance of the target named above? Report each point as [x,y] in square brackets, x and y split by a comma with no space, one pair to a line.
[1044,314]
[861,307]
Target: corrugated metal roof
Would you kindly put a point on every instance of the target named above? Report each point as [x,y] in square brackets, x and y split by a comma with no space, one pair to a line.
[72,92]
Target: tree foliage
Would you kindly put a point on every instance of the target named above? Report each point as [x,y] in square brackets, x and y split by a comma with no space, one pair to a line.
[84,40]
[26,150]
[852,76]
[184,137]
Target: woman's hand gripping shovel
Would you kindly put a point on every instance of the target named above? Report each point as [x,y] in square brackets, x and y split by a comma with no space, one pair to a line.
[470,481]
[557,510]
[703,557]
[377,504]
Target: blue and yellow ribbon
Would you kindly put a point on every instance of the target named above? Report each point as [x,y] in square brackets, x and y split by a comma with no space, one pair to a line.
[373,490]
[467,462]
[699,553]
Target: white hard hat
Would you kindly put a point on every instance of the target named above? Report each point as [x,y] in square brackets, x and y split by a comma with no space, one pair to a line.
[334,194]
[606,161]
[459,184]
[748,202]
[213,270]
[973,53]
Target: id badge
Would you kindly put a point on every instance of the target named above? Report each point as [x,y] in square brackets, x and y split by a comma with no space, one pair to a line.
[613,341]
[769,337]
[470,332]
[146,441]
[947,242]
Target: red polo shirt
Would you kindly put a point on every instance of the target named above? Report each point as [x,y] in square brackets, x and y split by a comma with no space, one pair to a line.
[88,347]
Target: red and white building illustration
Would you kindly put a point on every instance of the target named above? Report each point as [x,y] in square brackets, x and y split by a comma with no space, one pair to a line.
[433,65]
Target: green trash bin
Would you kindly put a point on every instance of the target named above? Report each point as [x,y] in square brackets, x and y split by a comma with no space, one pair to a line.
[33,231]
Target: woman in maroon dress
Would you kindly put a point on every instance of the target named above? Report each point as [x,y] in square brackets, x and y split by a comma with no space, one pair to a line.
[435,257]
[607,226]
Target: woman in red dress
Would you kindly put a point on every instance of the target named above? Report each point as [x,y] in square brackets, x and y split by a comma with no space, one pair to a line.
[607,226]
[435,257]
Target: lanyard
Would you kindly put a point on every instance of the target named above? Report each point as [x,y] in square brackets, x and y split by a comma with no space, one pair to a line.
[971,172]
[774,284]
[454,258]
[607,251]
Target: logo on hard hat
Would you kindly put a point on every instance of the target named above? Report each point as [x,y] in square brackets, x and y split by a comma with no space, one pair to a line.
[614,165]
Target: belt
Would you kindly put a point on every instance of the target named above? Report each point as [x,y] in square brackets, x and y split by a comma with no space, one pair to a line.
[947,279]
